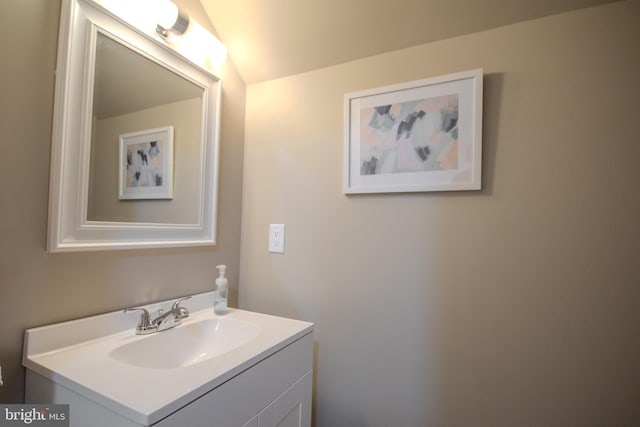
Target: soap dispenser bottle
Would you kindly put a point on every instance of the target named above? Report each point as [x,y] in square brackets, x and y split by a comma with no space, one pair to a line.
[220,301]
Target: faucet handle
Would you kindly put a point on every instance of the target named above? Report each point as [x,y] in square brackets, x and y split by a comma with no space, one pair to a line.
[180,312]
[144,324]
[178,301]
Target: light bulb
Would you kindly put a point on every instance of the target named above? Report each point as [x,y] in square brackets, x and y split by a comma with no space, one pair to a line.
[201,46]
[165,12]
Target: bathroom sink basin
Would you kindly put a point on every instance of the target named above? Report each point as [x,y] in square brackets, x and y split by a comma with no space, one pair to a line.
[187,344]
[147,378]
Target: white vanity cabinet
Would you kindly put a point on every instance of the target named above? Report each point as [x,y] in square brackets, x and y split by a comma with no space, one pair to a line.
[240,369]
[275,392]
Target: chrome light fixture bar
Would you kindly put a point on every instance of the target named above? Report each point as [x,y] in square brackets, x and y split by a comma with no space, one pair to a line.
[164,20]
[171,20]
[179,27]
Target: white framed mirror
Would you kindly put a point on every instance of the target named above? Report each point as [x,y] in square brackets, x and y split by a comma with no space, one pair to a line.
[135,139]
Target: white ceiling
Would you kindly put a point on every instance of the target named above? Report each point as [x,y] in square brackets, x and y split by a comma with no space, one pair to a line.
[269,39]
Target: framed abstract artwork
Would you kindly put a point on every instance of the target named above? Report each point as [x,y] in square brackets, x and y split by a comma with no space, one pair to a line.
[146,164]
[424,135]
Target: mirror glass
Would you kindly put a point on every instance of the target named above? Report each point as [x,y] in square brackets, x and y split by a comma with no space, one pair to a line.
[132,93]
[135,142]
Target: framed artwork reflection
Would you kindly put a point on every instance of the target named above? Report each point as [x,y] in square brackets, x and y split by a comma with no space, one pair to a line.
[146,164]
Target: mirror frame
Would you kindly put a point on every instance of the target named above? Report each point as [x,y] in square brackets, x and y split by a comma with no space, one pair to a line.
[69,229]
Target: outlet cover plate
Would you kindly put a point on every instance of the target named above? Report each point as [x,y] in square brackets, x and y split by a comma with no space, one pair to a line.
[276,238]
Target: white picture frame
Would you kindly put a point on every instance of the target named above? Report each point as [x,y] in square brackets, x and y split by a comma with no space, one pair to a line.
[424,135]
[146,164]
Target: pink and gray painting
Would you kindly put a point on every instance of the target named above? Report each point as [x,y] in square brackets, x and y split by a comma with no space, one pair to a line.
[414,136]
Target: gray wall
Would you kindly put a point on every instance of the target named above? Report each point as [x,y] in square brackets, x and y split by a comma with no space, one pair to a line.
[38,288]
[515,305]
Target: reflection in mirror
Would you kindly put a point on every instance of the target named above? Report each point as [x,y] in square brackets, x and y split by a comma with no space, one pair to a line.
[132,93]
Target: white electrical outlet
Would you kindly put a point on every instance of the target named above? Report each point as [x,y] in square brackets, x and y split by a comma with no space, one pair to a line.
[276,238]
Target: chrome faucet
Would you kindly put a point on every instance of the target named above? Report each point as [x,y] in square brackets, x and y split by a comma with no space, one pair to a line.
[164,321]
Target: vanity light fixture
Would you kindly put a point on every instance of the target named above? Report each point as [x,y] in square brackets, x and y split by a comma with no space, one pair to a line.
[171,20]
[163,20]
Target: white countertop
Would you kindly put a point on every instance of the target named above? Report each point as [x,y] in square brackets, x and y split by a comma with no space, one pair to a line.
[75,354]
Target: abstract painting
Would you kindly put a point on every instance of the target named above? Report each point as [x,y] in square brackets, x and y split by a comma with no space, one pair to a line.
[417,136]
[146,164]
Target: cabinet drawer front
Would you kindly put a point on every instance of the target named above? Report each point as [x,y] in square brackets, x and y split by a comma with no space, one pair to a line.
[292,408]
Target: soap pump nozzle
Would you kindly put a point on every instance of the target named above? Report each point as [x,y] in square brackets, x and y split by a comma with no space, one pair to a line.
[221,269]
